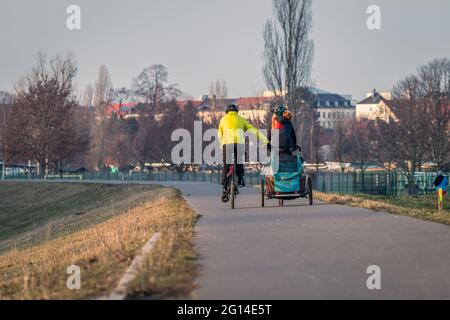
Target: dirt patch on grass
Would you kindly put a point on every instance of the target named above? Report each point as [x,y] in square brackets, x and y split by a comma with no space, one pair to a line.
[104,250]
[420,208]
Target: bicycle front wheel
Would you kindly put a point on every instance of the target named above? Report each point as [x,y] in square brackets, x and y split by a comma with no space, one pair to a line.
[233,194]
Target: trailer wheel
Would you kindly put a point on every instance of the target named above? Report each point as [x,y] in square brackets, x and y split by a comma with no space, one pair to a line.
[262,185]
[310,192]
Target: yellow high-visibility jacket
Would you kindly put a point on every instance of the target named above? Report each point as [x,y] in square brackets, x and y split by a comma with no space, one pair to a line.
[232,128]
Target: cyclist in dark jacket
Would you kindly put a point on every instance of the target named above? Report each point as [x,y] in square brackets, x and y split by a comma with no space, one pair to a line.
[282,121]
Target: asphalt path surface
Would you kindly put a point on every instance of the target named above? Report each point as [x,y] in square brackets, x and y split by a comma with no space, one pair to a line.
[313,252]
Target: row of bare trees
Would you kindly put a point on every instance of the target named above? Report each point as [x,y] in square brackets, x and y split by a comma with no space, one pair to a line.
[418,129]
[44,122]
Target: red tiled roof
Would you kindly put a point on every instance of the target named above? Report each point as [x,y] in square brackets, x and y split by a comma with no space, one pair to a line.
[182,103]
[252,101]
[119,108]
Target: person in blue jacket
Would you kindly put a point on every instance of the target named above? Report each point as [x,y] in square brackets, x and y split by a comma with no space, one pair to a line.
[441,182]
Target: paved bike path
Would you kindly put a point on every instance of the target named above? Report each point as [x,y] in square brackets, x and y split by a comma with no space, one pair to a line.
[318,252]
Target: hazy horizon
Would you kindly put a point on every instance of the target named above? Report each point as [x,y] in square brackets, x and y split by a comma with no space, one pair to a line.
[205,40]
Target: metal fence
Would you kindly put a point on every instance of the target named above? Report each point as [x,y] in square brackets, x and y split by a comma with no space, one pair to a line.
[252,178]
[376,183]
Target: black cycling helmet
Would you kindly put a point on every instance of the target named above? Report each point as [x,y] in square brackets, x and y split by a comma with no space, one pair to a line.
[231,108]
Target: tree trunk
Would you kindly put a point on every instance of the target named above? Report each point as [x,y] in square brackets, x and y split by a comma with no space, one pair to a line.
[363,180]
[43,169]
[60,170]
[142,164]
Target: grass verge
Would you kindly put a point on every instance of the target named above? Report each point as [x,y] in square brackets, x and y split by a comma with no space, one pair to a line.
[422,207]
[104,248]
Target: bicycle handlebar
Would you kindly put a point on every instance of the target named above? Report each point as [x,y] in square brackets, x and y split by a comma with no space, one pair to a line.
[290,149]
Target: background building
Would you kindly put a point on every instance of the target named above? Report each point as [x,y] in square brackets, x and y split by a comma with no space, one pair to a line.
[377,106]
[332,108]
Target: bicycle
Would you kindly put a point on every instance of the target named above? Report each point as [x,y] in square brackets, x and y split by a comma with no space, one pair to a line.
[233,184]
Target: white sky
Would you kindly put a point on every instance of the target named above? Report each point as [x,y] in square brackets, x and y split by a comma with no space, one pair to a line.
[204,40]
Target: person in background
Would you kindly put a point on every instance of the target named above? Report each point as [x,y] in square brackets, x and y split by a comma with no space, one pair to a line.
[441,182]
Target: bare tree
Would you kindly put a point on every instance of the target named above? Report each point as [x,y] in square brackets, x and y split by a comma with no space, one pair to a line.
[152,86]
[6,99]
[435,92]
[103,87]
[122,95]
[73,142]
[362,146]
[103,96]
[315,155]
[288,51]
[153,139]
[306,120]
[405,135]
[143,145]
[219,90]
[384,145]
[44,111]
[419,126]
[88,96]
[288,56]
[339,144]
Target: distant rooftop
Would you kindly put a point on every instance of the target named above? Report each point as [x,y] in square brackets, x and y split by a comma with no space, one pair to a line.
[325,99]
[375,98]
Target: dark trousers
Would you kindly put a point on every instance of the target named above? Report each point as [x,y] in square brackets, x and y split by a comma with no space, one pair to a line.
[229,151]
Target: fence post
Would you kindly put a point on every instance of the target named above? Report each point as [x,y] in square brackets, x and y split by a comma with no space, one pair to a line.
[395,184]
[346,175]
[340,182]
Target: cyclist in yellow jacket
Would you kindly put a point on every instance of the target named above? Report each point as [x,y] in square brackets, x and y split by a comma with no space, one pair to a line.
[231,136]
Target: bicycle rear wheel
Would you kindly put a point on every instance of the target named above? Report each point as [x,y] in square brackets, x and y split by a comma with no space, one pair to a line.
[233,189]
[310,192]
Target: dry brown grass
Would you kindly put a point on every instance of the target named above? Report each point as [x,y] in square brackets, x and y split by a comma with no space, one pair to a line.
[386,206]
[104,251]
